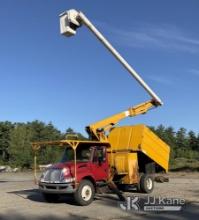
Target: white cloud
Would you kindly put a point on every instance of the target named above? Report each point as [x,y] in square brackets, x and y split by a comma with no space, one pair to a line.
[150,36]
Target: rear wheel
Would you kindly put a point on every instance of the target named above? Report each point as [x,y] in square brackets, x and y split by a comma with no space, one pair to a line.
[51,197]
[146,183]
[85,193]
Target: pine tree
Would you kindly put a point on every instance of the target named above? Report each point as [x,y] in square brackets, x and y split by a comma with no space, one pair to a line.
[170,139]
[193,141]
[181,143]
[5,130]
[20,146]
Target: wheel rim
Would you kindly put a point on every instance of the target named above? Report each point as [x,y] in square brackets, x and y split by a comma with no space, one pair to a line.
[86,193]
[149,183]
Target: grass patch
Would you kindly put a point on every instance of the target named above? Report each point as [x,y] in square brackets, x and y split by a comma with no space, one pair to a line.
[184,164]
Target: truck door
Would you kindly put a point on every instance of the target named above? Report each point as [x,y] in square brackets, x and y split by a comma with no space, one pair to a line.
[99,164]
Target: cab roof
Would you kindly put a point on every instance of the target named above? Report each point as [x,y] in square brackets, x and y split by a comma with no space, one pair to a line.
[72,143]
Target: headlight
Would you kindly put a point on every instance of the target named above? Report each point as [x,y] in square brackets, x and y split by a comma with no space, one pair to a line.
[65,172]
[42,177]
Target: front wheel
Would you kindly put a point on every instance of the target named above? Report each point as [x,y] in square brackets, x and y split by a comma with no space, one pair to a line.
[85,193]
[146,183]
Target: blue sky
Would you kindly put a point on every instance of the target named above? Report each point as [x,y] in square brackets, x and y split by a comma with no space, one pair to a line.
[75,81]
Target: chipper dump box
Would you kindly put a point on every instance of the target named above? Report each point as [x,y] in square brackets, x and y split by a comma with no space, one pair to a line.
[136,149]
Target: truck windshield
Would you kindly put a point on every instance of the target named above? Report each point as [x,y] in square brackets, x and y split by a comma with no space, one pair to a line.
[82,154]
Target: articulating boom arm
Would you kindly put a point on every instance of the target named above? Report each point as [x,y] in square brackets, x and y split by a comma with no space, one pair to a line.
[98,129]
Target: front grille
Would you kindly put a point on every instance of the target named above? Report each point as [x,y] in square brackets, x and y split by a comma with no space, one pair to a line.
[51,187]
[53,175]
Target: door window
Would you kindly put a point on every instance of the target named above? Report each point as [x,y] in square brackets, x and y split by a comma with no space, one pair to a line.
[99,155]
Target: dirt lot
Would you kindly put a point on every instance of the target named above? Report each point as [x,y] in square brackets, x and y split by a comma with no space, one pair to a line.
[20,199]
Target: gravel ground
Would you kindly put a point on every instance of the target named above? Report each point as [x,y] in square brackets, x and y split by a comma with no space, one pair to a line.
[20,199]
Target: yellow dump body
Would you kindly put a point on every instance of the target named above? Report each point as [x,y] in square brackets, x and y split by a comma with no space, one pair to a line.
[126,141]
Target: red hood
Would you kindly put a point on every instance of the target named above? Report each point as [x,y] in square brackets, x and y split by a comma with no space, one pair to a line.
[70,165]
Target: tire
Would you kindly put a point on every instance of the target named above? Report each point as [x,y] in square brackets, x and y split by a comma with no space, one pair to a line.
[146,183]
[51,197]
[85,193]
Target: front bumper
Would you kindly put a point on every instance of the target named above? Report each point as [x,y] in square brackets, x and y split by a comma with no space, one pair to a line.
[57,188]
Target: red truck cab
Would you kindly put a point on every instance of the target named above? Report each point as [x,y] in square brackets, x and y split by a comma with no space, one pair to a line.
[79,172]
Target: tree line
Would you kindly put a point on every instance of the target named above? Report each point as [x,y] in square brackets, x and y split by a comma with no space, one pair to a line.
[16,138]
[183,143]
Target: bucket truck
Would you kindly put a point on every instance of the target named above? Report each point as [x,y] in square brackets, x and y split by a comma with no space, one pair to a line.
[113,155]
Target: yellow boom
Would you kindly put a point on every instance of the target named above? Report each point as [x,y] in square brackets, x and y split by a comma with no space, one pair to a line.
[99,129]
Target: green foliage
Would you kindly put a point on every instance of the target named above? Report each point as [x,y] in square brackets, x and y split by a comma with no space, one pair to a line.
[193,141]
[16,138]
[5,131]
[183,144]
[72,135]
[42,132]
[20,146]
